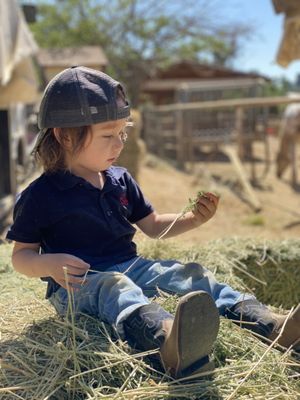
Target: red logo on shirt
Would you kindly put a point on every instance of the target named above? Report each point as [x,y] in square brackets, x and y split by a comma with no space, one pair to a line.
[124,200]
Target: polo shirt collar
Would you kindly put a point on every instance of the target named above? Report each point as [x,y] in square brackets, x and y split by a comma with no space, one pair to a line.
[65,180]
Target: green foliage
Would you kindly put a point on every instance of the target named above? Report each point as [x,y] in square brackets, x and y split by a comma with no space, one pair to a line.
[278,87]
[140,36]
[254,220]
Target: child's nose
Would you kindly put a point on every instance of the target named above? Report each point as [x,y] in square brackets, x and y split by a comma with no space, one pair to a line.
[118,142]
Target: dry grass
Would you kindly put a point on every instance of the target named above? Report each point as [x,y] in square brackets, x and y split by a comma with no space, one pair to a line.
[44,357]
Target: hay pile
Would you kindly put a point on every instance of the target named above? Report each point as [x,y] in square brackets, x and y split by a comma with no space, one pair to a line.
[44,357]
[134,149]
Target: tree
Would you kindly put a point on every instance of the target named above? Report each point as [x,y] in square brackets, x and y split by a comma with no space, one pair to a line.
[140,36]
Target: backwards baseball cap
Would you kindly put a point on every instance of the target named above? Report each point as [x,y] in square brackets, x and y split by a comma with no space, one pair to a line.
[80,96]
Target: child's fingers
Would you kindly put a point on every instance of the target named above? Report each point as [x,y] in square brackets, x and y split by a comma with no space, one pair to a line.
[206,202]
[76,262]
[73,281]
[202,211]
[74,271]
[212,197]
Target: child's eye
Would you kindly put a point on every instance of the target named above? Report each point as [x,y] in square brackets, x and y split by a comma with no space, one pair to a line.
[122,135]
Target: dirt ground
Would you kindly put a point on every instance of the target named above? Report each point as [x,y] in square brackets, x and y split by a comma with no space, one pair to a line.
[169,189]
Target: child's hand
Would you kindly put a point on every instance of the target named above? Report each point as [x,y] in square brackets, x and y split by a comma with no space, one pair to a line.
[205,207]
[64,267]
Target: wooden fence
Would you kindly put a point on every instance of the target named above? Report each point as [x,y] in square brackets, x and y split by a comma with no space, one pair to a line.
[177,130]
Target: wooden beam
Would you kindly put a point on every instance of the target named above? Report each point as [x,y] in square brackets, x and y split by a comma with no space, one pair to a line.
[244,102]
[232,154]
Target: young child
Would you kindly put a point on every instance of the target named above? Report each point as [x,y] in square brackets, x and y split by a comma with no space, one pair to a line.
[73,226]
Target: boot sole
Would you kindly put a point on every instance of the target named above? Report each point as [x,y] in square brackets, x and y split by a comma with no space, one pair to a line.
[287,340]
[295,319]
[197,324]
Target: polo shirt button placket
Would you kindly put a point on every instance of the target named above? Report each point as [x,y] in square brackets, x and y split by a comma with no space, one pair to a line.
[104,204]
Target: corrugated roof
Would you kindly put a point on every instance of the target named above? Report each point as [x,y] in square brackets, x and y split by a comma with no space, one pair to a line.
[289,46]
[209,84]
[289,7]
[68,56]
[189,69]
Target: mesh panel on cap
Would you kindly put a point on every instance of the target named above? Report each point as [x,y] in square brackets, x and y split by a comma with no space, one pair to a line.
[81,96]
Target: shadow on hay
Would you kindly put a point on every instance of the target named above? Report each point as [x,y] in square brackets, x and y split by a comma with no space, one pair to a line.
[274,282]
[54,358]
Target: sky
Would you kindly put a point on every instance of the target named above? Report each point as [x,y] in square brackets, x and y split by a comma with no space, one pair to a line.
[260,52]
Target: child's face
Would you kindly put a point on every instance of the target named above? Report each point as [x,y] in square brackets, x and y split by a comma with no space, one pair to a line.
[103,146]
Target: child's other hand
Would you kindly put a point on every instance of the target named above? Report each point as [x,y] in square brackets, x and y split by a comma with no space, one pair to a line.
[65,267]
[206,207]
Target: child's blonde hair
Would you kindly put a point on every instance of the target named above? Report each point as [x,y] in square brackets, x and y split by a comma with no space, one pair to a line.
[50,152]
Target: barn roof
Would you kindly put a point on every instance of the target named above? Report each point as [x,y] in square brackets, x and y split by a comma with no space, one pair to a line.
[190,74]
[191,84]
[187,69]
[67,56]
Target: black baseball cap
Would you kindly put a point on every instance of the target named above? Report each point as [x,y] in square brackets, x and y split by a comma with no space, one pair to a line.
[81,96]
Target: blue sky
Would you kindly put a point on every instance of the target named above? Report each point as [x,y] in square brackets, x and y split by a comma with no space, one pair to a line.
[260,53]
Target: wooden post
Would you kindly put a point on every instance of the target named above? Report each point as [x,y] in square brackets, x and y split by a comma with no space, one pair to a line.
[189,140]
[239,119]
[180,148]
[159,135]
[7,163]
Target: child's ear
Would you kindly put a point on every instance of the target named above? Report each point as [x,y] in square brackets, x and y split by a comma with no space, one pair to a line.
[57,134]
[62,138]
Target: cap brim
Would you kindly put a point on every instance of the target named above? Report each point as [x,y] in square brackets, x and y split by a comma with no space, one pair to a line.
[40,137]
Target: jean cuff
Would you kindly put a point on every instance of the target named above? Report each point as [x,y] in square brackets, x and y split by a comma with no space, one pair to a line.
[124,315]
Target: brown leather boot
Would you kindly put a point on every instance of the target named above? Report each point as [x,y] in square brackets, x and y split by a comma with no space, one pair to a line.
[266,323]
[190,337]
[290,337]
[184,342]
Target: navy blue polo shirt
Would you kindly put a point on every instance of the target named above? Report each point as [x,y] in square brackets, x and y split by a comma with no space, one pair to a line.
[66,214]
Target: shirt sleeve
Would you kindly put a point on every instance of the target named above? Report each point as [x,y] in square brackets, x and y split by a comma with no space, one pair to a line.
[25,227]
[141,207]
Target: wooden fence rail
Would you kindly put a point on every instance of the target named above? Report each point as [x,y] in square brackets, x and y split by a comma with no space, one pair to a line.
[177,130]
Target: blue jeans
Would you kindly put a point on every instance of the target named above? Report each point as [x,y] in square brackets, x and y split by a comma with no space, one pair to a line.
[114,294]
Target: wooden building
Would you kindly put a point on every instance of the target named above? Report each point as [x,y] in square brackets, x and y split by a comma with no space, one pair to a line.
[188,82]
[54,60]
[18,93]
[192,107]
[171,85]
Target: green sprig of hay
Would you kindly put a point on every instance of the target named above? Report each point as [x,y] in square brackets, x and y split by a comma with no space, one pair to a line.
[44,357]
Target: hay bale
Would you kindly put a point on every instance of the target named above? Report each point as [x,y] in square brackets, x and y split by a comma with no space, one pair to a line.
[277,272]
[43,356]
[270,269]
[134,149]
